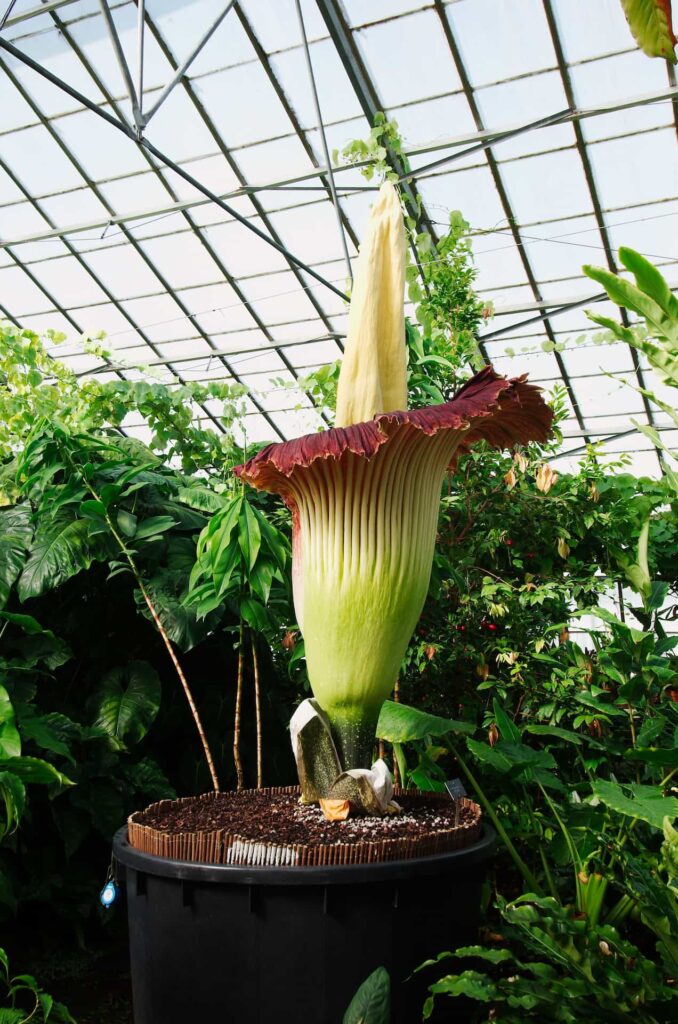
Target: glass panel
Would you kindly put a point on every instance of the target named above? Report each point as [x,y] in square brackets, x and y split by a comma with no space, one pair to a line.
[277,25]
[69,282]
[588,30]
[38,162]
[184,25]
[543,187]
[261,117]
[410,58]
[52,50]
[521,102]
[621,168]
[496,44]
[337,98]
[425,120]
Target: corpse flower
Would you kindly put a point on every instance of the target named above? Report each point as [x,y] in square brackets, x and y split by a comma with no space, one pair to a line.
[364,496]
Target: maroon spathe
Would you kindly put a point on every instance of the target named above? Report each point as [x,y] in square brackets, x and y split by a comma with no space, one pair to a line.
[502,411]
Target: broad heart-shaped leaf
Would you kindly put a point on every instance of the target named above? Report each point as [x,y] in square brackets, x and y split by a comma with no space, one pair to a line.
[15,538]
[10,741]
[39,730]
[646,803]
[127,701]
[372,1002]
[650,24]
[59,551]
[399,723]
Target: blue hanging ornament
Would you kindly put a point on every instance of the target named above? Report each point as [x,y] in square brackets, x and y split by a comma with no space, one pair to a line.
[108,894]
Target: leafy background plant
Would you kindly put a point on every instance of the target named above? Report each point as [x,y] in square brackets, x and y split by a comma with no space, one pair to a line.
[543,670]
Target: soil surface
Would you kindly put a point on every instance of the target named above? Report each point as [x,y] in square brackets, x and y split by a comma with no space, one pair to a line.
[279,818]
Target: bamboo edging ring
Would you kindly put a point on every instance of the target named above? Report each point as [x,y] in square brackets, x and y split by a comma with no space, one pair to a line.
[223,847]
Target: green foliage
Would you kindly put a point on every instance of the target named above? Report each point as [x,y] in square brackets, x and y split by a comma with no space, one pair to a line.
[241,557]
[650,24]
[399,723]
[25,1000]
[371,154]
[372,1002]
[126,702]
[653,302]
[553,966]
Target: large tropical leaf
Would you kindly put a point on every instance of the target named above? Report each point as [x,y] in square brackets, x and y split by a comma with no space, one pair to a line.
[34,769]
[645,803]
[399,723]
[127,701]
[166,590]
[15,537]
[650,24]
[13,796]
[10,741]
[60,551]
[372,1002]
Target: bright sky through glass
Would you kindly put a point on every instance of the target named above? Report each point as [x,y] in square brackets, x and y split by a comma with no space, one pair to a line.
[97,235]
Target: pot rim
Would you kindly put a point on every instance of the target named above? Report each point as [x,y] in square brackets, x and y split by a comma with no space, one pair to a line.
[329,874]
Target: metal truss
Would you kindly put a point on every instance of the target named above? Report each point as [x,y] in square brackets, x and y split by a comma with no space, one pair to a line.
[439,158]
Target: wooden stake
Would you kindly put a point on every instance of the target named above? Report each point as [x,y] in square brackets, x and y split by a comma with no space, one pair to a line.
[184,683]
[397,781]
[257,710]
[238,705]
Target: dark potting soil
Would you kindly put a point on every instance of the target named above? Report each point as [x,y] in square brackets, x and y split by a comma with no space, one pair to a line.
[279,818]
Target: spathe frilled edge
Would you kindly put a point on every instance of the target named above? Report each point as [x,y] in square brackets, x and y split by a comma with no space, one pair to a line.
[499,410]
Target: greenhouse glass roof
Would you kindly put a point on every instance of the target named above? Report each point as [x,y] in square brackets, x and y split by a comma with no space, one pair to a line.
[539,119]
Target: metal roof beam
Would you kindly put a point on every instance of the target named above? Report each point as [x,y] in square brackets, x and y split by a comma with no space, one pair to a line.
[365,90]
[591,185]
[159,155]
[99,195]
[185,64]
[33,12]
[194,228]
[122,64]
[503,198]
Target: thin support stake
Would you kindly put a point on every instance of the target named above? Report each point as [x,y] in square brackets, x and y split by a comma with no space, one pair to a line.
[321,128]
[183,68]
[122,62]
[141,15]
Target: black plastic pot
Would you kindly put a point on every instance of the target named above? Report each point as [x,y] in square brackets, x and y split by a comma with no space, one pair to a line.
[247,945]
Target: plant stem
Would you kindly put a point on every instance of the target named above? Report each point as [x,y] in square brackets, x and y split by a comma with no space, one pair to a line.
[576,860]
[129,558]
[184,683]
[501,831]
[257,709]
[397,781]
[238,705]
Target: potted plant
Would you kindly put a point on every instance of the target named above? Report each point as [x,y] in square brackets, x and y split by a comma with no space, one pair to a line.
[274,905]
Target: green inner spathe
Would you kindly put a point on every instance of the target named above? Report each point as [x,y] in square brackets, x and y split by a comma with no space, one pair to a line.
[364,534]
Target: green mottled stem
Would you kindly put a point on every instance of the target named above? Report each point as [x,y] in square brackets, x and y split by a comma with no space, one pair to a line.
[354,739]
